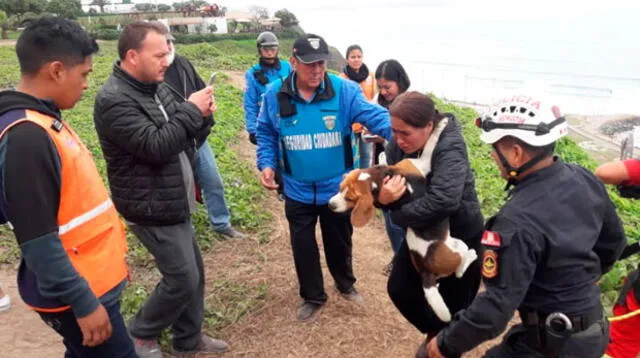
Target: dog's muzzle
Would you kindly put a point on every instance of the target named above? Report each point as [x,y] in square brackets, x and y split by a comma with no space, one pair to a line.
[338,204]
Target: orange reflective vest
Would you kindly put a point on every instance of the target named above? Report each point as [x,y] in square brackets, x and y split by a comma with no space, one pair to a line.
[368,87]
[89,227]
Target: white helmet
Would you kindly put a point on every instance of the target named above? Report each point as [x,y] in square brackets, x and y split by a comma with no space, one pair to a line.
[526,118]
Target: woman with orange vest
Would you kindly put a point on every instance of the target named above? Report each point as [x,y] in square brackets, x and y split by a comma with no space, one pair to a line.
[358,72]
[71,238]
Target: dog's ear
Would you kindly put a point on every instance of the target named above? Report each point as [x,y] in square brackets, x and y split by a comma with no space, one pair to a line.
[363,210]
[406,168]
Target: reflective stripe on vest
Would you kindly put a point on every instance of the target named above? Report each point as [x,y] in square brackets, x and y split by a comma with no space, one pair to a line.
[85,217]
[89,227]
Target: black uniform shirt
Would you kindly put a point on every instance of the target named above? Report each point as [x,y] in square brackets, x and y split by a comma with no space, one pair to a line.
[544,251]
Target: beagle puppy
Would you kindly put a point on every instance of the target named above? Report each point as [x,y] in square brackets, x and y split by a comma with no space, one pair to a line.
[434,253]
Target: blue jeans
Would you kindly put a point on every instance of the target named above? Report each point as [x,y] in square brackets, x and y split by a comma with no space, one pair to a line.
[210,183]
[396,233]
[119,345]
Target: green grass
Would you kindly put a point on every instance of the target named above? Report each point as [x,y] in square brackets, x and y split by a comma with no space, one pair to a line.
[228,55]
[232,298]
[242,190]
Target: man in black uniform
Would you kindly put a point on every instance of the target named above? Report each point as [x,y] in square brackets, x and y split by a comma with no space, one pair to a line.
[544,251]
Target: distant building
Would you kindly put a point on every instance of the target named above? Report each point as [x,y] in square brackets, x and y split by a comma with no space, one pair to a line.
[198,25]
[114,6]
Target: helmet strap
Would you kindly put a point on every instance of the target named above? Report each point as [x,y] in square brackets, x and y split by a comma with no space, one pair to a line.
[270,62]
[514,173]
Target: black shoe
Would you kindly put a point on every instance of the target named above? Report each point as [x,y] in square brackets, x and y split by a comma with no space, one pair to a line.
[231,233]
[353,296]
[307,310]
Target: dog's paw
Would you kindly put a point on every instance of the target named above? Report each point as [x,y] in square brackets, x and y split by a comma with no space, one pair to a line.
[437,303]
[456,245]
[467,259]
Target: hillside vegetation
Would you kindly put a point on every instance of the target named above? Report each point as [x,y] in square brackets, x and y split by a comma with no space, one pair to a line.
[234,299]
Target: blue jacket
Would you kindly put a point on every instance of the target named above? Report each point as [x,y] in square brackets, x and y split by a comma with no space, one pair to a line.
[311,141]
[254,90]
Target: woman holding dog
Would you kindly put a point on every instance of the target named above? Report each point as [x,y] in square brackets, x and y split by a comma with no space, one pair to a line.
[449,193]
[392,80]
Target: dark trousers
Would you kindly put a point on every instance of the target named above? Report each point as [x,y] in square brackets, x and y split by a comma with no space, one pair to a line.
[590,343]
[119,345]
[178,299]
[336,236]
[405,289]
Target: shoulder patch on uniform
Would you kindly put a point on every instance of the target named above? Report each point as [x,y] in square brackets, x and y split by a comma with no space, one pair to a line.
[491,238]
[490,264]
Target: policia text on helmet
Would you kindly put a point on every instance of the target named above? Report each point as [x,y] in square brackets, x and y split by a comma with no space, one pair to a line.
[523,133]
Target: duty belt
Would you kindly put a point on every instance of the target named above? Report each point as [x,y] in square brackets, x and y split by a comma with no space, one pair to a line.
[549,331]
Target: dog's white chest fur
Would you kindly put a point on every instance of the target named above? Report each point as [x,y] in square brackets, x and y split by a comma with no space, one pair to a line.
[423,164]
[420,246]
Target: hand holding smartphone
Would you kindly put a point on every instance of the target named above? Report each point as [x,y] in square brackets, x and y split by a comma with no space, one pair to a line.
[212,80]
[212,84]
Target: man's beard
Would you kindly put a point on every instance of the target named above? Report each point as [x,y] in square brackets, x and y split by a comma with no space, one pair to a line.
[172,55]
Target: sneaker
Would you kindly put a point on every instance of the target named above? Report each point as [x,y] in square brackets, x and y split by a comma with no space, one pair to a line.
[146,348]
[231,233]
[387,269]
[353,295]
[5,302]
[206,345]
[307,310]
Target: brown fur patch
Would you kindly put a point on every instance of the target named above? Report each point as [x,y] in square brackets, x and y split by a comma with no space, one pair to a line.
[441,260]
[406,168]
[363,209]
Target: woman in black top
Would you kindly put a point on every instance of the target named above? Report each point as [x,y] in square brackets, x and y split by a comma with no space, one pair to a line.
[449,193]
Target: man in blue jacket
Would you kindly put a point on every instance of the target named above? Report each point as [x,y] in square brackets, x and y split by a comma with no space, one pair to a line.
[267,70]
[304,128]
[257,78]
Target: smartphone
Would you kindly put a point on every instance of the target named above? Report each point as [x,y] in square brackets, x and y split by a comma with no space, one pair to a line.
[212,80]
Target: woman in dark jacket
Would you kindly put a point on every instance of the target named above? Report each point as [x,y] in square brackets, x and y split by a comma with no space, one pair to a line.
[449,193]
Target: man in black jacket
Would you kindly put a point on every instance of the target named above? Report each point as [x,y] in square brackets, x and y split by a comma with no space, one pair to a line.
[544,251]
[183,80]
[148,140]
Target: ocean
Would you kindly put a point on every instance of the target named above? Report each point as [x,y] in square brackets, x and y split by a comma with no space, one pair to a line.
[582,56]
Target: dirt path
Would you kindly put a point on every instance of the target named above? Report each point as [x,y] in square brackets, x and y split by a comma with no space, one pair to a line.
[341,329]
[22,333]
